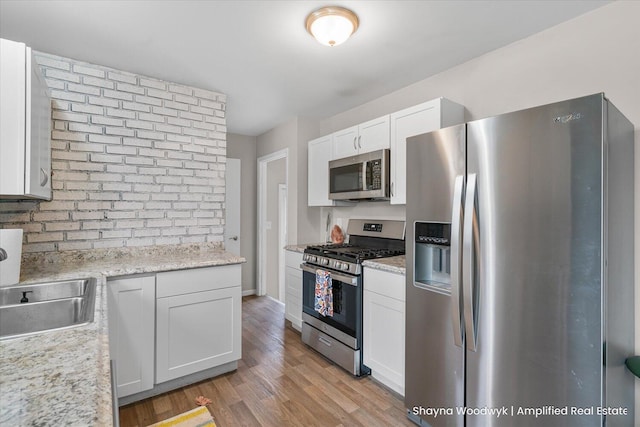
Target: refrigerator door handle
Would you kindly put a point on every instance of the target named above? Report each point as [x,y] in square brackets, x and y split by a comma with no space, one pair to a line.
[469,294]
[456,221]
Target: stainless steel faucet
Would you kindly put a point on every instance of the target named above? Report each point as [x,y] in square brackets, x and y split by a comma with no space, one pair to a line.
[3,254]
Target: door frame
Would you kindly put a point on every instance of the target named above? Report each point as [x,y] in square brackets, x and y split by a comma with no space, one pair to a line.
[263,161]
[283,202]
[234,164]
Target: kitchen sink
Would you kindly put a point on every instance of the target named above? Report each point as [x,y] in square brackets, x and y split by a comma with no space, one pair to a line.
[32,309]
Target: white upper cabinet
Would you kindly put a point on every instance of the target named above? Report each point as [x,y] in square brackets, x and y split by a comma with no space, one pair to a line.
[345,143]
[320,151]
[25,125]
[363,138]
[422,118]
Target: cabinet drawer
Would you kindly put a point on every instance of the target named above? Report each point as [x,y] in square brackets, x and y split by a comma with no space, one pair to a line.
[384,283]
[293,259]
[181,282]
[293,281]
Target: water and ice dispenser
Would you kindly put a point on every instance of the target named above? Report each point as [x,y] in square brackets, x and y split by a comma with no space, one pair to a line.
[432,254]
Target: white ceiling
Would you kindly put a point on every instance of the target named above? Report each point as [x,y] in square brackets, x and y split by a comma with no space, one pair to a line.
[260,55]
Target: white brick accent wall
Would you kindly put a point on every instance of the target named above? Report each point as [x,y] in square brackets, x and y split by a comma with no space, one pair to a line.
[136,162]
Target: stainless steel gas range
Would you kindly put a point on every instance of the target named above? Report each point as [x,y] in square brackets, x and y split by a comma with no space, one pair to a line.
[338,335]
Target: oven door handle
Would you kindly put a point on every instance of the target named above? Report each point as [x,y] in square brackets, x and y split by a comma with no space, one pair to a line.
[349,280]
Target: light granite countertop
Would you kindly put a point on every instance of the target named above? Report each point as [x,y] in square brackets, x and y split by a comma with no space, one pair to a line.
[295,248]
[396,264]
[63,377]
[301,247]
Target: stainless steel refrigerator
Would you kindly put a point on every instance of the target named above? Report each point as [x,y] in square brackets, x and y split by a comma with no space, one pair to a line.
[520,300]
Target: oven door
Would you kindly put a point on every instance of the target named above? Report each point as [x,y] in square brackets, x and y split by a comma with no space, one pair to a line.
[347,299]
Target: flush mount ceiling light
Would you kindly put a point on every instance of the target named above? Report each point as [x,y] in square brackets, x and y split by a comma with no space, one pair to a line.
[332,25]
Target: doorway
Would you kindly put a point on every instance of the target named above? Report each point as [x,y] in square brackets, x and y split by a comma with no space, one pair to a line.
[272,206]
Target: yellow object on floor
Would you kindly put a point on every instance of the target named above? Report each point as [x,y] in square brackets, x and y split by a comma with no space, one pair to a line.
[198,417]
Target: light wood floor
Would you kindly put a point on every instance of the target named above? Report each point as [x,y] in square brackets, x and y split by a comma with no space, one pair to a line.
[279,382]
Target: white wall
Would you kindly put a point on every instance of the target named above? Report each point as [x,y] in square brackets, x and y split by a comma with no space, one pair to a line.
[244,148]
[307,217]
[302,221]
[595,52]
[279,138]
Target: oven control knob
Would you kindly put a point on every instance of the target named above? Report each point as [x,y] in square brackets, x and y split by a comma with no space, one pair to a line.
[305,257]
[324,261]
[314,258]
[345,266]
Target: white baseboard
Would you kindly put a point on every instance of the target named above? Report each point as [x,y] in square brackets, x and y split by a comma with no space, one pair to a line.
[275,300]
[248,292]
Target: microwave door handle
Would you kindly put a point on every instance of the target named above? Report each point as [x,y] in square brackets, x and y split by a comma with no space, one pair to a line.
[364,175]
[456,222]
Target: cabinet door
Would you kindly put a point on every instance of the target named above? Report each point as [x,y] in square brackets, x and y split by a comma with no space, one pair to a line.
[293,259]
[197,331]
[38,133]
[383,339]
[131,305]
[373,135]
[410,122]
[319,153]
[12,117]
[345,143]
[293,300]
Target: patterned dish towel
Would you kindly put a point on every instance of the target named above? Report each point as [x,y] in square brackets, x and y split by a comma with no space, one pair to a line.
[324,293]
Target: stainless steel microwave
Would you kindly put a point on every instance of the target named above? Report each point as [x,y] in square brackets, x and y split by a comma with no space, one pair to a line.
[361,177]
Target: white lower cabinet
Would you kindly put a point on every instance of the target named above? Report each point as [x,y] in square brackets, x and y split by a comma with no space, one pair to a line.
[172,324]
[131,305]
[198,320]
[293,293]
[384,327]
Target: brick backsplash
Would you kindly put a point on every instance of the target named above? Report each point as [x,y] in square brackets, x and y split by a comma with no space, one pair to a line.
[136,162]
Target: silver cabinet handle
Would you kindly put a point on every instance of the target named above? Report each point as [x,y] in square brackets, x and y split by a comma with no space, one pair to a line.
[44,177]
[392,189]
[359,141]
[354,143]
[233,238]
[470,236]
[456,219]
